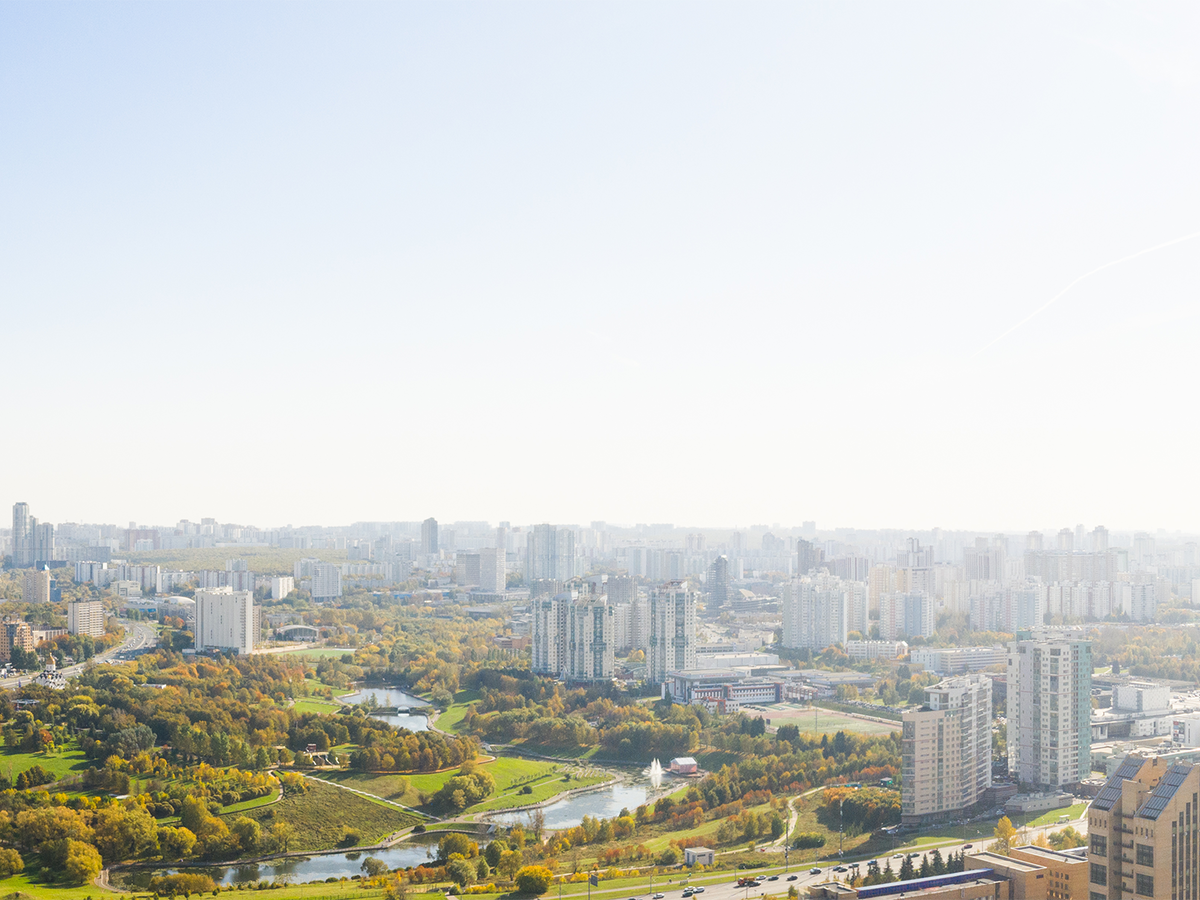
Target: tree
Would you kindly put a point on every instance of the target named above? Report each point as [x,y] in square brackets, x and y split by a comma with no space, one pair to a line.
[121,833]
[482,869]
[510,862]
[82,863]
[906,869]
[493,853]
[534,879]
[453,842]
[10,862]
[248,833]
[939,864]
[1005,835]
[175,843]
[461,872]
[789,733]
[281,836]
[373,866]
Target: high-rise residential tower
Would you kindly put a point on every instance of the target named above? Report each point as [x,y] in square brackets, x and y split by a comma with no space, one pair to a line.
[549,553]
[1049,709]
[225,620]
[815,612]
[429,536]
[672,631]
[717,582]
[946,748]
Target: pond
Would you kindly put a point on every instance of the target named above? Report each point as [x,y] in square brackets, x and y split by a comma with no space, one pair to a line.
[411,852]
[601,804]
[393,698]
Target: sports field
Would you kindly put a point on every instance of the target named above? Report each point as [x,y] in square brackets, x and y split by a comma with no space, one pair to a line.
[823,721]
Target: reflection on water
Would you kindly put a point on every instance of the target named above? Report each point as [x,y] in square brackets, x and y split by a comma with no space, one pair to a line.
[568,813]
[393,697]
[412,852]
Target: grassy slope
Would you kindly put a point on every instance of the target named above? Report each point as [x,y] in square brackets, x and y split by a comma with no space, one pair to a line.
[508,772]
[319,815]
[324,707]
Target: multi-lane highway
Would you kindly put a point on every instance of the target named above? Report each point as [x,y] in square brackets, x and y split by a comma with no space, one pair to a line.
[138,636]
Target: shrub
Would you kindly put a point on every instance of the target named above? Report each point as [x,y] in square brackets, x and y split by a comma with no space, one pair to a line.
[808,839]
[534,879]
[181,883]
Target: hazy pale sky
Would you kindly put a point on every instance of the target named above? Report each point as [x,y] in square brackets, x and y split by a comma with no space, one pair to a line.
[702,263]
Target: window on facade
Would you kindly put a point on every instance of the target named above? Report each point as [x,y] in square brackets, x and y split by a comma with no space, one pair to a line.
[1145,885]
[1099,874]
[1099,845]
[1145,855]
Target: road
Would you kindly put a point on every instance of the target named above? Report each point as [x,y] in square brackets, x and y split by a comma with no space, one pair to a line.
[138,636]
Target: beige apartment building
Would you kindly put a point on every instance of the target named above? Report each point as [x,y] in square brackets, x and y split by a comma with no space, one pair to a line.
[1066,871]
[946,748]
[1144,832]
[86,617]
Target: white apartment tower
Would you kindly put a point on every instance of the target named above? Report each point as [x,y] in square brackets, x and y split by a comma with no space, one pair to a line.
[672,631]
[590,639]
[910,615]
[858,607]
[946,750]
[86,617]
[549,553]
[815,612]
[492,573]
[225,620]
[326,581]
[1049,709]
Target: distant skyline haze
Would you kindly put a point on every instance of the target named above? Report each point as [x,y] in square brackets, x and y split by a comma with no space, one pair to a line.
[705,263]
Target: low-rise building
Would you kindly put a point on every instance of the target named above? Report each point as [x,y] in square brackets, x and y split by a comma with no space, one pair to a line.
[1066,870]
[699,856]
[958,660]
[721,689]
[864,650]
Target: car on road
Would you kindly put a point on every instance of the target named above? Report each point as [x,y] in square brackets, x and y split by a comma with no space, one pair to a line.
[772,878]
[793,877]
[687,892]
[659,896]
[698,890]
[898,856]
[840,869]
[968,846]
[814,871]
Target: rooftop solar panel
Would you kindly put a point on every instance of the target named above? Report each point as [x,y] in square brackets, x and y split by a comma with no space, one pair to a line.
[1160,798]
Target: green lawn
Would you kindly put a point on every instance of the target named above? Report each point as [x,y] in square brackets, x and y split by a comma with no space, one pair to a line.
[67,761]
[449,719]
[325,707]
[827,721]
[1050,817]
[252,804]
[540,791]
[319,652]
[508,771]
[319,815]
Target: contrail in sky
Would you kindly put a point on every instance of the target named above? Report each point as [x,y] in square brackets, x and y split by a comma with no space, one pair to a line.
[1051,301]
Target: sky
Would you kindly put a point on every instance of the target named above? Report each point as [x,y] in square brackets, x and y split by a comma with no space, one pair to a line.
[710,264]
